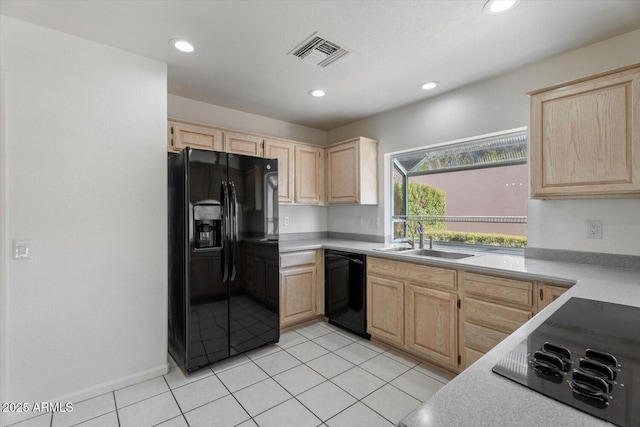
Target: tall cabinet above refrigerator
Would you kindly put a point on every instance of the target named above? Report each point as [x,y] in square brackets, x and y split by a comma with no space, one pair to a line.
[223,256]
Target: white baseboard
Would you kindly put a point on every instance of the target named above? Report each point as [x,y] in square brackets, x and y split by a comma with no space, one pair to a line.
[97,390]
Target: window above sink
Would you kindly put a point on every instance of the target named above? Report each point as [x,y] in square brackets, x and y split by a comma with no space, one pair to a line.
[471,193]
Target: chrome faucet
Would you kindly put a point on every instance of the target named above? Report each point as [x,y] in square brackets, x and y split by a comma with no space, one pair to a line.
[420,232]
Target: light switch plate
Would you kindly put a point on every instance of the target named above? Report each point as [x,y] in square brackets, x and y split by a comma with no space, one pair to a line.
[21,249]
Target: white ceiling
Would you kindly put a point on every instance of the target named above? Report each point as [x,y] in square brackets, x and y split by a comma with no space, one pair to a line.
[241,59]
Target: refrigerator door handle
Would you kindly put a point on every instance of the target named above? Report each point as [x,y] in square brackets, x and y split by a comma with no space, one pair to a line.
[234,225]
[225,230]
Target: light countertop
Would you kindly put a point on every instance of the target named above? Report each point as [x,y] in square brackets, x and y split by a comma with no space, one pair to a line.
[477,396]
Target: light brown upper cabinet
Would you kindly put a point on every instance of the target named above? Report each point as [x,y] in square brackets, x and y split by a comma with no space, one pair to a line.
[284,152]
[309,175]
[352,172]
[183,135]
[243,143]
[585,137]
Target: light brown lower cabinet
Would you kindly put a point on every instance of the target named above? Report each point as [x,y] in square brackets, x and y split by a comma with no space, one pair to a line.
[548,293]
[445,316]
[471,355]
[481,338]
[493,307]
[497,316]
[300,286]
[431,321]
[385,309]
[407,307]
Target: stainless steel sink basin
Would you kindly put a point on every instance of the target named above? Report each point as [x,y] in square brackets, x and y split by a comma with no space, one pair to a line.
[395,249]
[438,254]
[408,250]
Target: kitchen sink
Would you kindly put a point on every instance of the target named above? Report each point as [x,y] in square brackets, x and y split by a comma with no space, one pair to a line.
[395,249]
[433,253]
[438,254]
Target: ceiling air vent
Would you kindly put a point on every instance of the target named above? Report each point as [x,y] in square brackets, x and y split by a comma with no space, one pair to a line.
[317,50]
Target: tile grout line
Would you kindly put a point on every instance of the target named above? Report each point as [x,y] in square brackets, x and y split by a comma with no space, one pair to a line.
[412,366]
[292,396]
[232,394]
[115,404]
[369,394]
[367,371]
[323,422]
[176,400]
[383,353]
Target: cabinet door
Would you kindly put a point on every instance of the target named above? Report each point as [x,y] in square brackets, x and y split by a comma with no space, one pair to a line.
[343,179]
[585,138]
[309,175]
[205,138]
[431,319]
[385,309]
[241,143]
[548,294]
[284,152]
[352,172]
[298,294]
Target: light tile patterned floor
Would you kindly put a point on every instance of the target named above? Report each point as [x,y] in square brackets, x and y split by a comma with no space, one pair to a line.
[317,375]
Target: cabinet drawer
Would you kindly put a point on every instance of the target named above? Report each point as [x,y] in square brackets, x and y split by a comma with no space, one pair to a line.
[499,288]
[471,355]
[415,273]
[292,259]
[496,316]
[481,338]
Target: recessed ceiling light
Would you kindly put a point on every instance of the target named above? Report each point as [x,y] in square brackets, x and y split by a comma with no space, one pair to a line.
[317,92]
[496,7]
[429,85]
[182,45]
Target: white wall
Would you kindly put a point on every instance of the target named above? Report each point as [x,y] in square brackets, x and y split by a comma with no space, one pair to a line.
[86,150]
[493,105]
[3,248]
[302,219]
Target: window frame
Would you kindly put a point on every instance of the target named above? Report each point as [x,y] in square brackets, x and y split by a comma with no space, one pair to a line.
[396,165]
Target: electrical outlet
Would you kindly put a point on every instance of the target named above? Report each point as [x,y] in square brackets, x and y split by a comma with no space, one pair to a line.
[374,222]
[359,221]
[286,221]
[21,249]
[594,229]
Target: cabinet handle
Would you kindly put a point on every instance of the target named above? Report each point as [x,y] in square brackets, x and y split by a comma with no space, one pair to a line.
[541,295]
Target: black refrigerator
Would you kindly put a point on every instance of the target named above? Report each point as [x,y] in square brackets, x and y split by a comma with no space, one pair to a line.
[223,255]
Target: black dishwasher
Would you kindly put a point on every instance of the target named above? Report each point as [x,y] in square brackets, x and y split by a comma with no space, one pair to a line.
[345,291]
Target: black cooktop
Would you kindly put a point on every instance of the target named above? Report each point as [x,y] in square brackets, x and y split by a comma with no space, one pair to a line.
[586,355]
